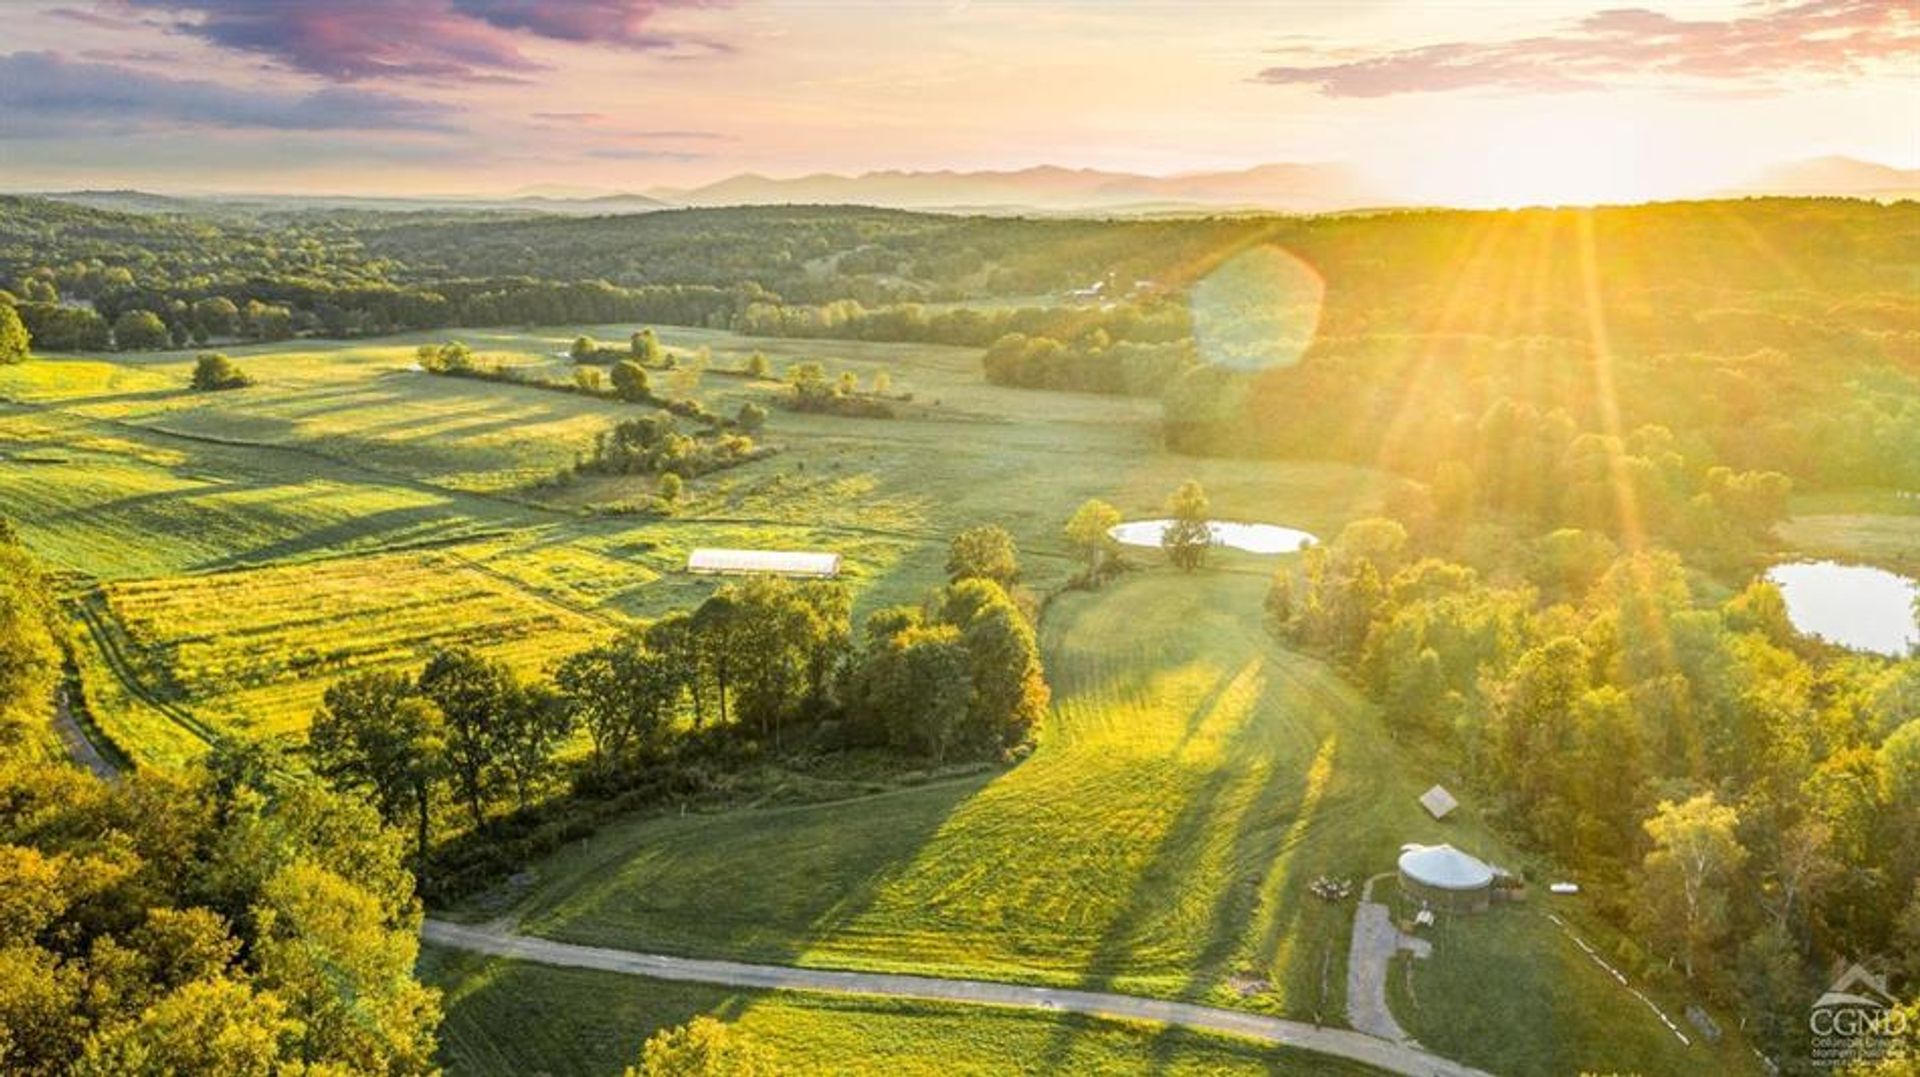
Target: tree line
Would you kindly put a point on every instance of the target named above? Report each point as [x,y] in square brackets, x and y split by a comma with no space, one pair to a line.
[764,665]
[1091,362]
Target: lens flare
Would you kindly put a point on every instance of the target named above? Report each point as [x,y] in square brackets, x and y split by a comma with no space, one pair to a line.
[1258,310]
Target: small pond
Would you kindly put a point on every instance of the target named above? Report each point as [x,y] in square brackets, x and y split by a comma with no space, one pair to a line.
[1252,538]
[1855,606]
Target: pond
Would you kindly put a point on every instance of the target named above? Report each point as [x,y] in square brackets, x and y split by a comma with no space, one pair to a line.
[1855,606]
[1251,538]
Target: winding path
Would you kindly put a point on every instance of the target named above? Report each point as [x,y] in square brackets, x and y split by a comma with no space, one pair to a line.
[1384,1054]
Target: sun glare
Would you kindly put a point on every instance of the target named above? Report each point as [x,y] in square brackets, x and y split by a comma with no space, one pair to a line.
[1549,158]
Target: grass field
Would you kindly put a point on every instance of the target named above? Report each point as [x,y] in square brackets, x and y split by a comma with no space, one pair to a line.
[1191,782]
[506,1017]
[1878,527]
[228,554]
[1578,1019]
[250,652]
[343,465]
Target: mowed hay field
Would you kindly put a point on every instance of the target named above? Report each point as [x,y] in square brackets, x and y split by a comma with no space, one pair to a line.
[250,652]
[1193,779]
[344,469]
[512,1018]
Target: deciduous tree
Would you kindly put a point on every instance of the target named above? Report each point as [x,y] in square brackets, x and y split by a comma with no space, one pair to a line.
[15,341]
[984,552]
[213,371]
[1187,537]
[1684,881]
[630,381]
[1090,532]
[473,695]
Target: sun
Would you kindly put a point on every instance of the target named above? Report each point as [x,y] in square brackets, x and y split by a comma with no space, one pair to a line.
[1549,157]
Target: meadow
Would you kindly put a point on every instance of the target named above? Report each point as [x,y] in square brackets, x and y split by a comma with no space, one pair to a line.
[226,555]
[1191,782]
[1870,526]
[232,552]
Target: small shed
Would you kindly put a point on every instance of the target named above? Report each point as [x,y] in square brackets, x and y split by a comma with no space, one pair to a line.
[1438,802]
[1443,877]
[718,562]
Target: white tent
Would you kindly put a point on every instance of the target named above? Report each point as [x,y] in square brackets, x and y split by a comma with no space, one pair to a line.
[1438,802]
[1444,867]
[715,562]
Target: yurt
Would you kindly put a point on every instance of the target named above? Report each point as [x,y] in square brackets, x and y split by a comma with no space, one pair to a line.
[1445,878]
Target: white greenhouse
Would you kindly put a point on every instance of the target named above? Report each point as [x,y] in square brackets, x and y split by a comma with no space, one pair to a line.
[717,562]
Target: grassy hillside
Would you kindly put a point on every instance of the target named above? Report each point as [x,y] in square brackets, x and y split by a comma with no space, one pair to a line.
[1192,781]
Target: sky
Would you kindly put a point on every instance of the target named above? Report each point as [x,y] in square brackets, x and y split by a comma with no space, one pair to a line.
[1443,100]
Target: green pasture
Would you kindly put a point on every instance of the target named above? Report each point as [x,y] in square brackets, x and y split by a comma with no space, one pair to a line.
[1511,993]
[342,457]
[231,553]
[249,653]
[1193,779]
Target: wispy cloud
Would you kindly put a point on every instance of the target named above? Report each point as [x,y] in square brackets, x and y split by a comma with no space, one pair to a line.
[131,56]
[440,40]
[43,94]
[1820,37]
[102,20]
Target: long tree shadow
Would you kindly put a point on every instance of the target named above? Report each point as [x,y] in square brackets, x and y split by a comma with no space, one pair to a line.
[1254,818]
[411,525]
[754,921]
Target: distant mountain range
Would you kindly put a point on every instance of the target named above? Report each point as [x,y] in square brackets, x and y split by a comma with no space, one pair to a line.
[1300,188]
[1835,176]
[1289,188]
[254,205]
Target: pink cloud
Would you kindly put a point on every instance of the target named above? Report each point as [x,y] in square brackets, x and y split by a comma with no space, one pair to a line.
[1833,37]
[602,22]
[447,40]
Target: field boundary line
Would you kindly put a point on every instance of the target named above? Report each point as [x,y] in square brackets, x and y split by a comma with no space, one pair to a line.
[122,669]
[1359,1047]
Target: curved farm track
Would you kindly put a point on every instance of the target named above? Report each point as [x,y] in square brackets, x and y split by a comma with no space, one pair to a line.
[1383,1054]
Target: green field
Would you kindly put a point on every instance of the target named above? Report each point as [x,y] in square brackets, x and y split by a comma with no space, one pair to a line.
[347,475]
[1192,780]
[250,652]
[1878,527]
[228,554]
[506,1017]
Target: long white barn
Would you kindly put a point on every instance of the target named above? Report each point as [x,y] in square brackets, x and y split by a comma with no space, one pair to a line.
[717,562]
